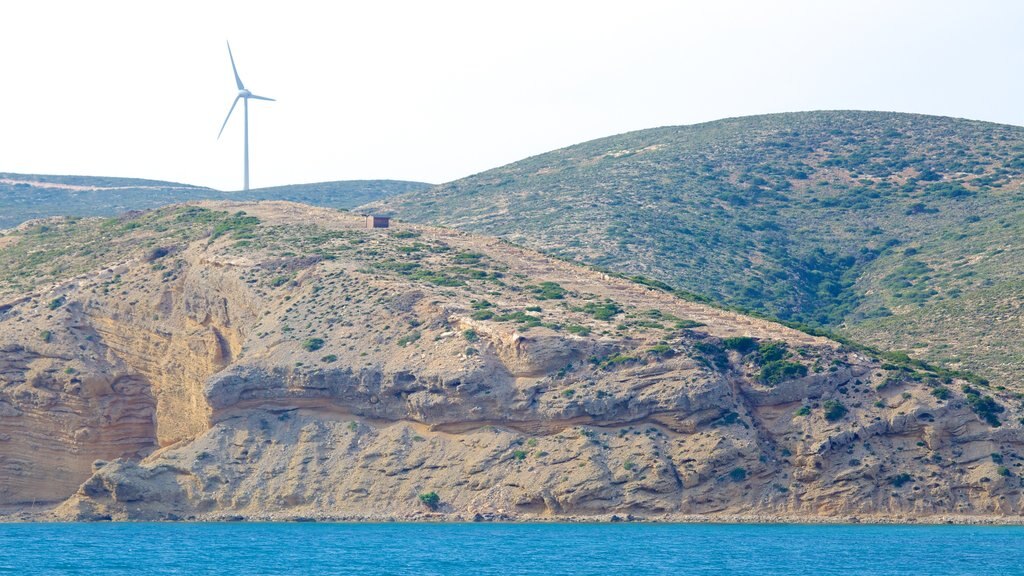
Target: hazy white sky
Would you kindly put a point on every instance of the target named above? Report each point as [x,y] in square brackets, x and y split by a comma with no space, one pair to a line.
[437,90]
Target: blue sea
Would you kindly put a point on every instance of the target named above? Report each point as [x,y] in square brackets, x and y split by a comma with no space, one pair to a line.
[508,549]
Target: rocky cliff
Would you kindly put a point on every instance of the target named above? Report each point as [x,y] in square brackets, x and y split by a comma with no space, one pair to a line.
[275,360]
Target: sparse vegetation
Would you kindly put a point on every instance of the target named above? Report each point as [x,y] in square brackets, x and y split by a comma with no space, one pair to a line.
[409,338]
[834,410]
[984,406]
[774,373]
[741,344]
[313,344]
[900,479]
[430,500]
[763,214]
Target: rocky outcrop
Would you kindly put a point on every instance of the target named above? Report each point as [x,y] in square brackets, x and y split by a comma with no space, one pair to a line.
[310,368]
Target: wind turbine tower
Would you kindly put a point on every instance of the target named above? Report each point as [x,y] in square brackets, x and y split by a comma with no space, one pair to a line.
[243,95]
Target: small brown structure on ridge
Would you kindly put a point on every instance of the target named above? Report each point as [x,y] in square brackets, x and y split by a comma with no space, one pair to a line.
[377,221]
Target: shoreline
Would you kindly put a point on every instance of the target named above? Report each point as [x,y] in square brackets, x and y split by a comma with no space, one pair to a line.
[47,517]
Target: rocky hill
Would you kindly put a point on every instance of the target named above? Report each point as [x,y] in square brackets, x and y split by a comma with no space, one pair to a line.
[275,360]
[899,230]
[28,196]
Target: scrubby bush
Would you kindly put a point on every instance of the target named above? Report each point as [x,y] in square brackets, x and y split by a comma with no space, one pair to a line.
[409,338]
[984,406]
[900,479]
[430,500]
[771,352]
[713,353]
[834,410]
[577,329]
[741,344]
[603,311]
[548,291]
[779,371]
[313,344]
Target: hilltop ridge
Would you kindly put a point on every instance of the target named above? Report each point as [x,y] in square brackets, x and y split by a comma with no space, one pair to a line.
[30,196]
[899,230]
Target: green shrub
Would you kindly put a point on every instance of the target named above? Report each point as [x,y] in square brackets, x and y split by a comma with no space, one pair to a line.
[713,353]
[548,291]
[1003,471]
[519,454]
[834,410]
[771,352]
[482,315]
[577,329]
[779,371]
[803,411]
[409,338]
[470,335]
[984,406]
[46,335]
[741,344]
[520,317]
[941,392]
[329,358]
[55,303]
[604,311]
[313,344]
[618,359]
[430,500]
[738,474]
[661,351]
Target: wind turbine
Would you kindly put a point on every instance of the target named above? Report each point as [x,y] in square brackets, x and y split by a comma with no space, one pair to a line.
[244,95]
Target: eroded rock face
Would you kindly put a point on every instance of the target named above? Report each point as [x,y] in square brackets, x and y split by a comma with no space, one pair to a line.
[310,368]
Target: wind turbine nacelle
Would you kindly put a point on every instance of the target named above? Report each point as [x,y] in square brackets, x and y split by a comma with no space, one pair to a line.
[244,93]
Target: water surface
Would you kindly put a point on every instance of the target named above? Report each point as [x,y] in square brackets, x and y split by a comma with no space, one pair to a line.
[508,549]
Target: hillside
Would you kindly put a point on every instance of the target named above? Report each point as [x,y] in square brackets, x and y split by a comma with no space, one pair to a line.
[276,360]
[896,229]
[28,196]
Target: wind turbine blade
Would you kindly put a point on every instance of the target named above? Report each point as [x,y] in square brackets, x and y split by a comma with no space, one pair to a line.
[232,109]
[238,80]
[255,97]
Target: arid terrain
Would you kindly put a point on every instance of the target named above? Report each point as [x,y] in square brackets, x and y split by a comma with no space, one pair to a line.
[279,361]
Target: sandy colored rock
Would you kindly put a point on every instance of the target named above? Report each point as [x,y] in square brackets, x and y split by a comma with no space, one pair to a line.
[307,367]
